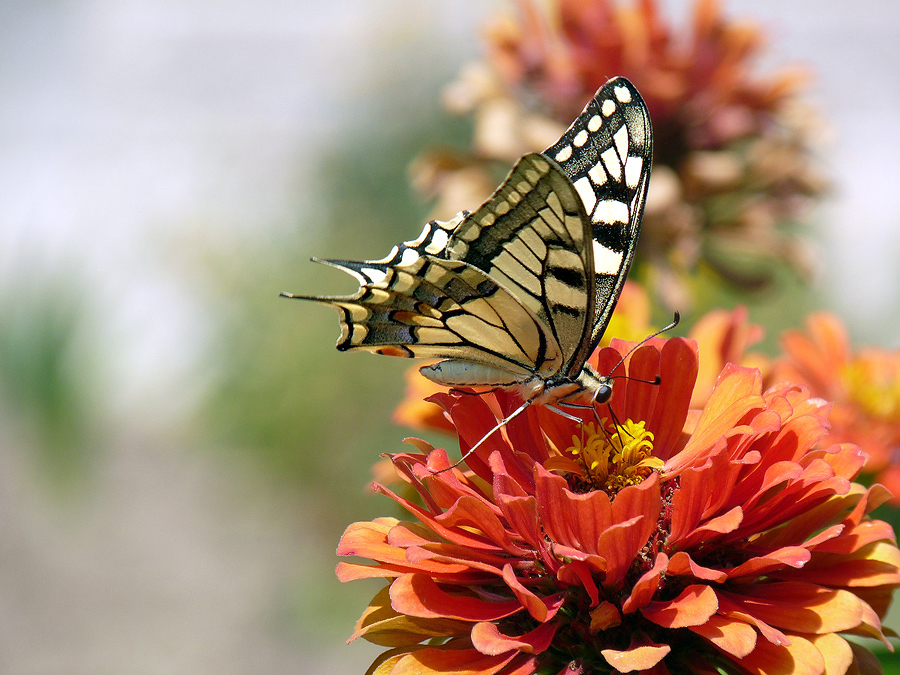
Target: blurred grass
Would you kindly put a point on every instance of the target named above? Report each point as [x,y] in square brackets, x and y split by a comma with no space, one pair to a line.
[44,369]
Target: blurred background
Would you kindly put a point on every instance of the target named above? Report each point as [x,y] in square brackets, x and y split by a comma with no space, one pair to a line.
[179,449]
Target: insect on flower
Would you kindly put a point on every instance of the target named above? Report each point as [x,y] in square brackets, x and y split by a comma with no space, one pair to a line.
[517,294]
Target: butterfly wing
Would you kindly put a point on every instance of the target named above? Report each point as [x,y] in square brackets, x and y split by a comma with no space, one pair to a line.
[607,153]
[526,284]
[504,301]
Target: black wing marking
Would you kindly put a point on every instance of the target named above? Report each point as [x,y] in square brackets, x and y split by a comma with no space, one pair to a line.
[607,153]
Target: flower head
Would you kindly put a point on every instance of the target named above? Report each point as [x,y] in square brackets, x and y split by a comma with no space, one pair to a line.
[732,149]
[634,541]
[863,384]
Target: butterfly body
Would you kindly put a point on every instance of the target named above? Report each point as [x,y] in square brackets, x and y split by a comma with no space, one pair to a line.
[518,293]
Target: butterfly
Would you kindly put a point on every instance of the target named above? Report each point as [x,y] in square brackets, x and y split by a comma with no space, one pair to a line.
[517,294]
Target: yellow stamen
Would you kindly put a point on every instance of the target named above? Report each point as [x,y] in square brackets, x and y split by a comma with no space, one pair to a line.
[612,461]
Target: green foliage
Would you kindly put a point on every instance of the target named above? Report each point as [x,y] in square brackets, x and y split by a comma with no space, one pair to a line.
[44,373]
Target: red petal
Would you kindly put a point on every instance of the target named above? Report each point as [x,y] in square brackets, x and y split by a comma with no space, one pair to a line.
[476,514]
[677,372]
[645,587]
[636,508]
[682,564]
[539,608]
[568,518]
[791,556]
[418,595]
[693,607]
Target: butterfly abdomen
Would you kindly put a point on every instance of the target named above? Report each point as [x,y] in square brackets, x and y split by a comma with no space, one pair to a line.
[458,373]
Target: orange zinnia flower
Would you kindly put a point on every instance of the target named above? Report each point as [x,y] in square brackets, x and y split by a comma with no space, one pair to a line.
[864,386]
[742,546]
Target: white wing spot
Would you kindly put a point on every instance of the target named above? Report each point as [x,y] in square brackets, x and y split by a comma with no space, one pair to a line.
[564,154]
[610,211]
[594,123]
[606,261]
[422,237]
[580,138]
[623,94]
[613,165]
[586,192]
[409,257]
[621,140]
[375,276]
[608,107]
[597,174]
[633,166]
[438,242]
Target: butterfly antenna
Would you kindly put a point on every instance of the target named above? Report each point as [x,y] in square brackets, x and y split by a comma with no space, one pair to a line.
[665,329]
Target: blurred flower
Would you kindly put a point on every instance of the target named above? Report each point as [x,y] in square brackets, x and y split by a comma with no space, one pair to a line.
[732,167]
[864,386]
[740,546]
[724,336]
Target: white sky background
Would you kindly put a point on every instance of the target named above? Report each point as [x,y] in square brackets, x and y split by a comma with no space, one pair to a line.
[123,122]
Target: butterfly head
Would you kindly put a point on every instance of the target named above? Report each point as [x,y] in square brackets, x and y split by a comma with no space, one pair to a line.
[598,387]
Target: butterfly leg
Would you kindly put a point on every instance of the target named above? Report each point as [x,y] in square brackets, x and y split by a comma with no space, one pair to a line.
[502,423]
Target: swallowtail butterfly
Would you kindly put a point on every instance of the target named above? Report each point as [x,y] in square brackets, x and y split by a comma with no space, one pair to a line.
[518,294]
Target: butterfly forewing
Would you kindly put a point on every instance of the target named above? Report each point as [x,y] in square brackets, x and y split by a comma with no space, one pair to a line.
[607,153]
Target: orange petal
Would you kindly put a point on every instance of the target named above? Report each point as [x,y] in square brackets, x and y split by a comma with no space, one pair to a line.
[606,615]
[418,595]
[835,650]
[734,637]
[790,556]
[799,658]
[381,625]
[645,587]
[438,661]
[736,394]
[488,639]
[693,607]
[643,654]
[800,607]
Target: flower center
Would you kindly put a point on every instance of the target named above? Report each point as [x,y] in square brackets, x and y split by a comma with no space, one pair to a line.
[875,386]
[612,461]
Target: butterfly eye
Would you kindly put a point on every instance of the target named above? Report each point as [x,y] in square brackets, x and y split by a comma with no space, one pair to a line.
[603,393]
